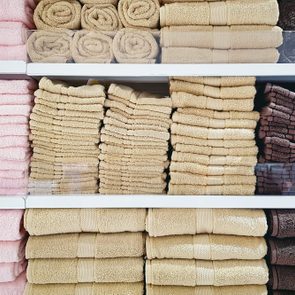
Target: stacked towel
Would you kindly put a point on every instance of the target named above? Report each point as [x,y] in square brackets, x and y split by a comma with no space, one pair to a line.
[237,31]
[92,251]
[214,149]
[16,99]
[281,250]
[134,142]
[65,131]
[221,252]
[12,252]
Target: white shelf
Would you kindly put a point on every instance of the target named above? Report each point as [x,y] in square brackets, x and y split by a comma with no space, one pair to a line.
[12,202]
[13,68]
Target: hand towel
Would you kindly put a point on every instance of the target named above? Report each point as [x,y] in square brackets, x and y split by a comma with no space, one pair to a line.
[139,13]
[15,287]
[14,141]
[52,15]
[135,46]
[241,222]
[17,52]
[15,110]
[17,87]
[73,271]
[191,273]
[12,251]
[13,191]
[13,120]
[12,33]
[286,19]
[13,99]
[282,278]
[10,271]
[281,251]
[11,223]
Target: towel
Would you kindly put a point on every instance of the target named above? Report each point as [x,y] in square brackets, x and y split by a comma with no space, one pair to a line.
[15,287]
[13,120]
[287,49]
[114,2]
[135,46]
[11,223]
[12,33]
[16,99]
[52,15]
[282,278]
[17,87]
[281,251]
[73,271]
[286,19]
[10,271]
[241,222]
[17,52]
[12,251]
[180,272]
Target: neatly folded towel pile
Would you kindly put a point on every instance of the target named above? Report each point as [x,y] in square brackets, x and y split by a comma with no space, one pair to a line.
[236,31]
[12,252]
[89,251]
[134,142]
[281,251]
[65,130]
[16,99]
[221,252]
[214,148]
[15,18]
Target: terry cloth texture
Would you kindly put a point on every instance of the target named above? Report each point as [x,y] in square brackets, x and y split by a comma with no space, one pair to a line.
[286,19]
[62,163]
[213,136]
[136,163]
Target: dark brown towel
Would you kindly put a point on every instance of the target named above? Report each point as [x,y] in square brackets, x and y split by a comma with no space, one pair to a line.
[287,50]
[280,292]
[282,278]
[271,88]
[287,14]
[282,251]
[281,223]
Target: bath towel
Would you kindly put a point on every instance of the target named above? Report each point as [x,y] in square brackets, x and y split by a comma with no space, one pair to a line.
[12,251]
[17,52]
[286,19]
[11,221]
[135,46]
[16,99]
[73,271]
[10,271]
[282,278]
[15,287]
[180,272]
[281,251]
[139,13]
[12,33]
[114,2]
[241,222]
[17,87]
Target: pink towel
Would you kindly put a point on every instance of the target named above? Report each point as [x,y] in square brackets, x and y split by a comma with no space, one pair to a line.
[16,287]
[15,99]
[10,271]
[11,224]
[16,165]
[12,251]
[17,86]
[14,120]
[15,110]
[14,183]
[14,174]
[12,33]
[13,192]
[18,52]
[14,141]
[14,153]
[14,130]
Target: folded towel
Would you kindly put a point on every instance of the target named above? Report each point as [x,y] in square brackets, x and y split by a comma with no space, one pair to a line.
[11,223]
[12,33]
[10,271]
[14,153]
[180,272]
[73,271]
[17,52]
[14,141]
[16,165]
[13,120]
[282,278]
[13,191]
[14,183]
[13,173]
[135,46]
[15,287]
[239,12]
[14,130]
[286,19]
[12,251]
[15,110]
[17,87]
[281,251]
[16,99]
[57,14]
[241,222]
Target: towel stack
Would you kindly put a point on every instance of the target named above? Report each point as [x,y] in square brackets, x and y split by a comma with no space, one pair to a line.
[282,251]
[214,148]
[15,17]
[65,131]
[85,251]
[16,98]
[220,252]
[220,31]
[134,142]
[12,252]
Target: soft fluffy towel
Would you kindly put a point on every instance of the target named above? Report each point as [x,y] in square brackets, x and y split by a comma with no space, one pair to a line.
[57,14]
[12,33]
[17,52]
[180,272]
[242,222]
[12,251]
[15,287]
[282,278]
[73,271]
[282,251]
[16,99]
[17,87]
[114,2]
[10,271]
[11,224]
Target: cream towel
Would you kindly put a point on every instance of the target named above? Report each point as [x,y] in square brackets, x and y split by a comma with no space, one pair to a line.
[205,273]
[114,2]
[114,174]
[92,47]
[135,177]
[73,271]
[135,46]
[54,221]
[241,222]
[238,12]
[139,13]
[100,17]
[128,191]
[206,247]
[132,168]
[49,47]
[136,160]
[51,15]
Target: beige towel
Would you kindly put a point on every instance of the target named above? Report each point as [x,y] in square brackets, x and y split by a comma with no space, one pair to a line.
[139,13]
[100,17]
[241,222]
[54,14]
[114,2]
[49,47]
[222,37]
[92,47]
[135,46]
[203,273]
[238,12]
[206,247]
[54,221]
[73,271]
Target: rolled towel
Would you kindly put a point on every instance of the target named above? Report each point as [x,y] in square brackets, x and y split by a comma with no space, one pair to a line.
[286,19]
[16,287]
[12,33]
[92,47]
[139,13]
[114,2]
[282,278]
[281,251]
[191,273]
[57,14]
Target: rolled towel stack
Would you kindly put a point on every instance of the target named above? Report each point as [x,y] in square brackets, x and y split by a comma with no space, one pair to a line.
[65,131]
[221,252]
[227,31]
[89,251]
[12,252]
[134,142]
[16,99]
[213,136]
[281,251]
